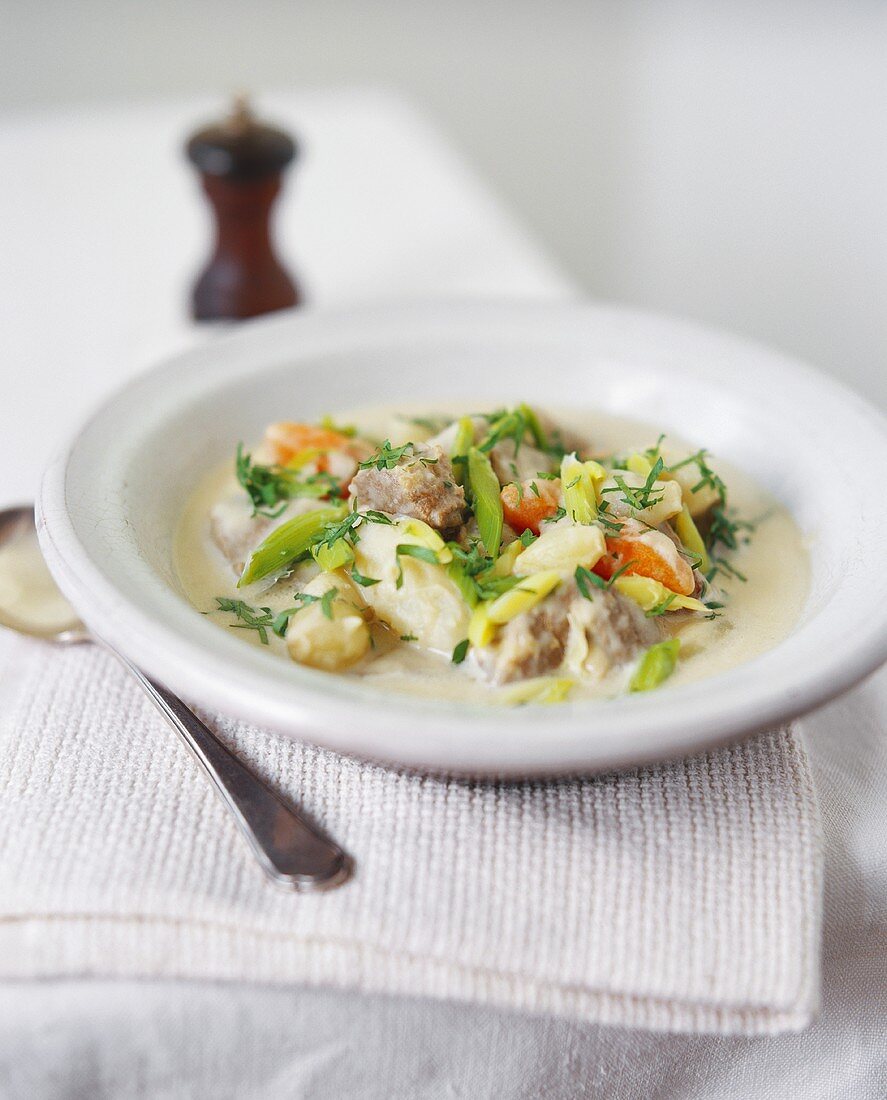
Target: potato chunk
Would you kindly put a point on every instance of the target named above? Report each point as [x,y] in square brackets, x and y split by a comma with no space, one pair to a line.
[562,547]
[335,643]
[428,605]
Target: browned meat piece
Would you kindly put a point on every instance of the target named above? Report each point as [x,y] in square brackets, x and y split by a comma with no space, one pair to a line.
[537,642]
[421,485]
[236,531]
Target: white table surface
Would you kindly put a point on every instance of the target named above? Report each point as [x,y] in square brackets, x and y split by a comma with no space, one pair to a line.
[102,230]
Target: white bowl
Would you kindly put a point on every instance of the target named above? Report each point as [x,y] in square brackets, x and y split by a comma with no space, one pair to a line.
[109,505]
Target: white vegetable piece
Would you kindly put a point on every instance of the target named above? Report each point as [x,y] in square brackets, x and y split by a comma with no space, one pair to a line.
[562,547]
[329,643]
[428,605]
[698,498]
[666,495]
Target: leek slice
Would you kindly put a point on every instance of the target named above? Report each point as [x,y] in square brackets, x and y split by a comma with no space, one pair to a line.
[656,665]
[639,464]
[525,595]
[541,689]
[580,482]
[461,446]
[332,556]
[419,533]
[465,584]
[484,487]
[480,630]
[289,541]
[649,594]
[688,533]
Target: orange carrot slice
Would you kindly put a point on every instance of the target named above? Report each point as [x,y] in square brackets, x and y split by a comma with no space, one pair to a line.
[525,508]
[646,560]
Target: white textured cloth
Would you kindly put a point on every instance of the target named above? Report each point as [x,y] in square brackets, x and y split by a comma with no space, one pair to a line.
[681,897]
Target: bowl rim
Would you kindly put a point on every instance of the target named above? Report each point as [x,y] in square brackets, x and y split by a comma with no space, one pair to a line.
[640,730]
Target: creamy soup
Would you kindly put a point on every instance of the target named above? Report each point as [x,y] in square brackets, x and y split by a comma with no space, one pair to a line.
[510,557]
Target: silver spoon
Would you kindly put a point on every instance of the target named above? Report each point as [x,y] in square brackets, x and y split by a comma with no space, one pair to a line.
[290,850]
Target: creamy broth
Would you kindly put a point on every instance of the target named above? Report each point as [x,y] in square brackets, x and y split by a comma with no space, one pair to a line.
[758,613]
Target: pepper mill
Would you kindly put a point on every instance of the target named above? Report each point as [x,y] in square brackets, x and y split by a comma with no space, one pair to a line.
[241,162]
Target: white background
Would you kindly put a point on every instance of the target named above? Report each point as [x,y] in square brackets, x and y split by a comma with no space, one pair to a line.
[723,160]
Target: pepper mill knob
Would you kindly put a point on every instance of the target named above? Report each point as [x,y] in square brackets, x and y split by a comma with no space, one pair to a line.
[241,162]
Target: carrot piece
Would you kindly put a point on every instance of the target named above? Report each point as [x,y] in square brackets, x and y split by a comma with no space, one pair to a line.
[288,439]
[525,508]
[646,561]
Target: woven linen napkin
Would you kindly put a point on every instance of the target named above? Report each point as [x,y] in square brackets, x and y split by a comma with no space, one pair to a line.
[679,897]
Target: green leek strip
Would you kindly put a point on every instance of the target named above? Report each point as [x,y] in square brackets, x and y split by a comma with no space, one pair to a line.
[649,594]
[688,533]
[639,464]
[532,422]
[656,665]
[580,495]
[480,630]
[334,555]
[484,486]
[461,446]
[523,596]
[287,542]
[464,583]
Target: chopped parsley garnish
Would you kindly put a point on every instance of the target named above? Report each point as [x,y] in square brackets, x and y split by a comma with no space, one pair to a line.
[408,638]
[639,497]
[585,577]
[460,651]
[662,607]
[409,550]
[364,582]
[387,457]
[527,537]
[270,487]
[281,621]
[326,602]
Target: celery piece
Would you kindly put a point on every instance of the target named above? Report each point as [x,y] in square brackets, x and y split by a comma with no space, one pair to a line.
[656,665]
[332,556]
[484,486]
[289,541]
[461,446]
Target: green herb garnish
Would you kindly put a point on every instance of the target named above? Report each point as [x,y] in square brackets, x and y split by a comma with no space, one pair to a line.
[460,651]
[585,577]
[250,618]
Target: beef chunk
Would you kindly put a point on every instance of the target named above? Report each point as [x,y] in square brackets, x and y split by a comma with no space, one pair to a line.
[420,485]
[538,641]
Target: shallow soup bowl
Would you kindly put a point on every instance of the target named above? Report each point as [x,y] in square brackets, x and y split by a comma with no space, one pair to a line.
[110,502]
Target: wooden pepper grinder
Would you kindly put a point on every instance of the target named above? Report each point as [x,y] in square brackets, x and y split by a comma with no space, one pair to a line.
[241,162]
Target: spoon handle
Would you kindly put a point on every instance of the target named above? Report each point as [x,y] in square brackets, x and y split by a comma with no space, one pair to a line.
[291,851]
